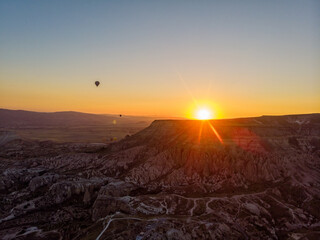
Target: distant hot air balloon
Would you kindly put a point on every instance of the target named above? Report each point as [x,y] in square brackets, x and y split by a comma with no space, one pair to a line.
[97,83]
[120,115]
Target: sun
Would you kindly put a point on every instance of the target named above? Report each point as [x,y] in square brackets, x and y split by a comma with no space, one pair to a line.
[204,114]
[203,110]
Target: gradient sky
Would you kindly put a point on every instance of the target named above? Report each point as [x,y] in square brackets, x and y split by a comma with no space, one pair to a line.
[242,58]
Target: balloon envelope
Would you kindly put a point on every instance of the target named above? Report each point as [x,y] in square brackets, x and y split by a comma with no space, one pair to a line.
[97,83]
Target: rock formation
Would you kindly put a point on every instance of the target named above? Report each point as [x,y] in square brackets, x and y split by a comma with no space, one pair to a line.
[251,178]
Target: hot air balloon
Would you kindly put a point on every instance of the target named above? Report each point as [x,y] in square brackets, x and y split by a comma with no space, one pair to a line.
[120,115]
[97,83]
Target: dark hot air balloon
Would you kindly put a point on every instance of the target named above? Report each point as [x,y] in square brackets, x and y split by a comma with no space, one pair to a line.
[97,83]
[120,115]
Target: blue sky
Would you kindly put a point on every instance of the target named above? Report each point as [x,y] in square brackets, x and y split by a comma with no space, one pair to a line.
[244,57]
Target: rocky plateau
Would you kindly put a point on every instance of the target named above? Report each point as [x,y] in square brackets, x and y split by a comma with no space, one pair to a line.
[248,178]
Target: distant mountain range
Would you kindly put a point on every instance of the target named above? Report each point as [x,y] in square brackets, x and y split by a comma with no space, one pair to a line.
[21,118]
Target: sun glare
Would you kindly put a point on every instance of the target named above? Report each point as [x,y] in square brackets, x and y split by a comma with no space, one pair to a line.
[204,114]
[203,110]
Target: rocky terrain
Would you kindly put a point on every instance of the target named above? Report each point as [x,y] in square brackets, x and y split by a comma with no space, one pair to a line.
[250,178]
